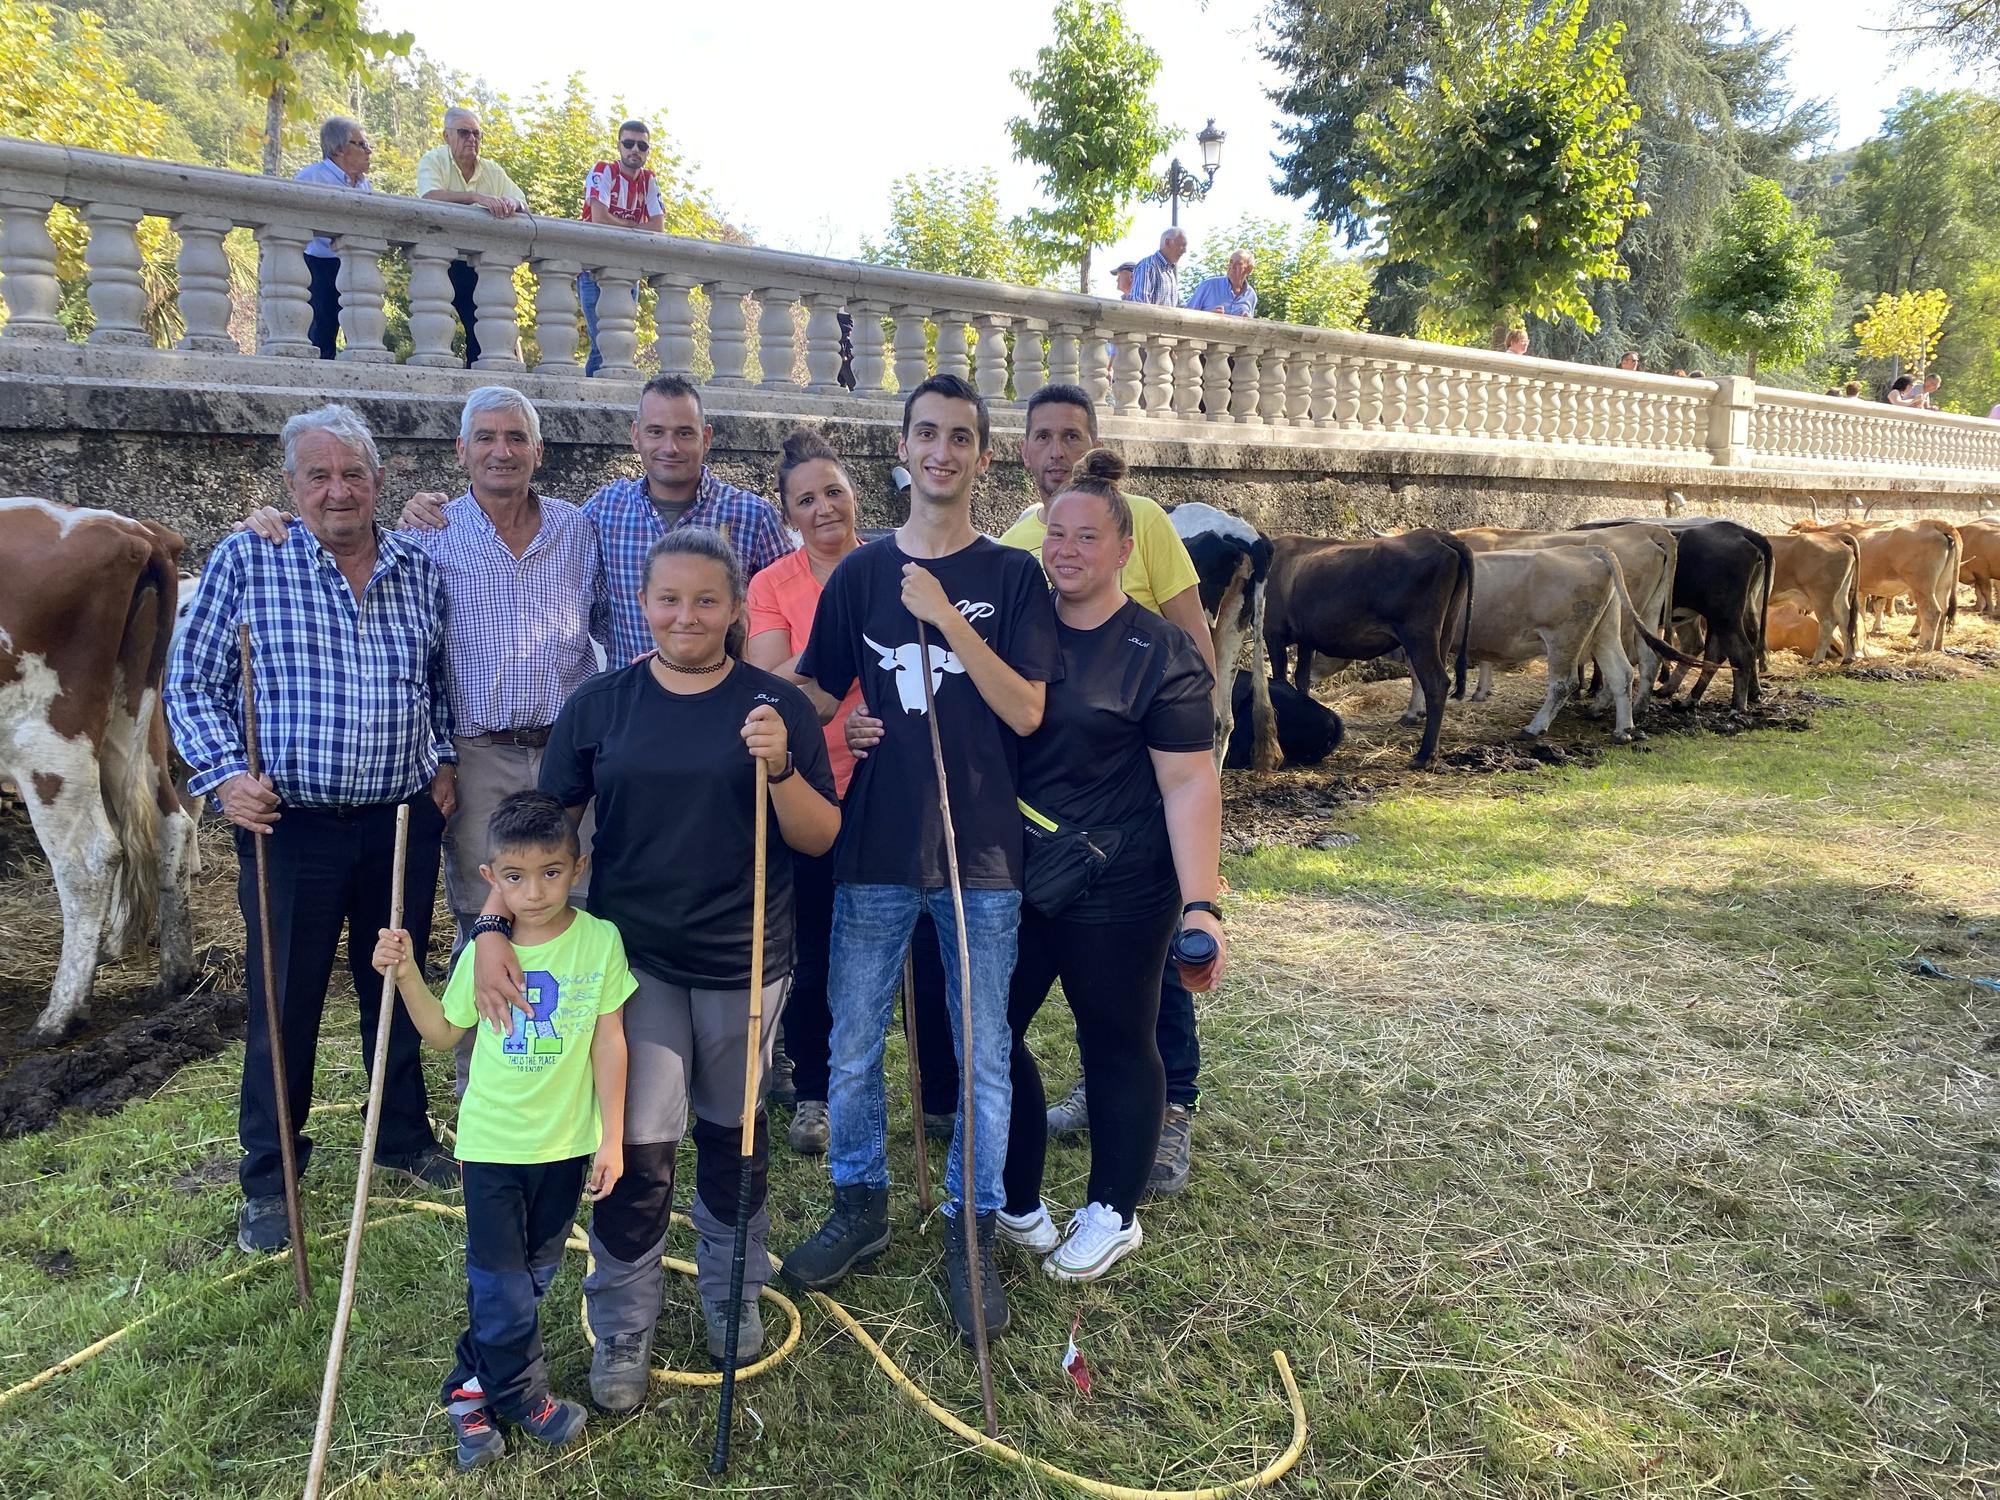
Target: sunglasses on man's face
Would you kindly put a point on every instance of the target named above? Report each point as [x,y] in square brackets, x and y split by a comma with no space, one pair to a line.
[635,145]
[473,135]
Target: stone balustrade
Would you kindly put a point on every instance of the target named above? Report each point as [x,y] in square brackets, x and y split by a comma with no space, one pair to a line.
[772,326]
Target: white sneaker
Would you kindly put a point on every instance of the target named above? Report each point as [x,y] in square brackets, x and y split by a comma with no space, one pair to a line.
[1035,1232]
[1095,1240]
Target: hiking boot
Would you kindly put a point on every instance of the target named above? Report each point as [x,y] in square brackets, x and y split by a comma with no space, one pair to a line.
[553,1422]
[621,1370]
[1072,1115]
[1034,1231]
[1098,1237]
[855,1232]
[479,1441]
[431,1167]
[749,1332]
[957,1277]
[782,1091]
[1176,1154]
[940,1127]
[808,1135]
[261,1225]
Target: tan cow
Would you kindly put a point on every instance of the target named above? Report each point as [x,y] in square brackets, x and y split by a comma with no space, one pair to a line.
[1819,572]
[1918,558]
[1981,564]
[1787,627]
[1566,605]
[86,609]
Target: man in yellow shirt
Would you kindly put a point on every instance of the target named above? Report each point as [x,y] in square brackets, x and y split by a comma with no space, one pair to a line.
[1061,428]
[455,172]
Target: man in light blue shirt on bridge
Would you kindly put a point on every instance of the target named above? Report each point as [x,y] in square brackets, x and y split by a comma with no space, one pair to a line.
[1232,293]
[343,163]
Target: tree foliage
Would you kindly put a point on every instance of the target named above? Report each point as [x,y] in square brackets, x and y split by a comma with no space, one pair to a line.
[1905,327]
[1966,31]
[267,38]
[1300,276]
[1092,128]
[1510,173]
[1759,289]
[951,223]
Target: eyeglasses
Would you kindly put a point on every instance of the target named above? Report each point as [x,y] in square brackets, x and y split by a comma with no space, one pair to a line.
[359,146]
[473,135]
[635,145]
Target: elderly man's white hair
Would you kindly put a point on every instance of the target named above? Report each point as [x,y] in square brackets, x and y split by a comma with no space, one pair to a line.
[342,423]
[459,112]
[1171,233]
[493,398]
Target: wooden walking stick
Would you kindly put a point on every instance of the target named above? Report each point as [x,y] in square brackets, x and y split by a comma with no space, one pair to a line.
[967,1218]
[916,1084]
[323,1430]
[295,1219]
[753,1059]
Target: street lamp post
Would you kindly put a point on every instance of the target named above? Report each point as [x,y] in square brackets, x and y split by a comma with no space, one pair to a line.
[1181,183]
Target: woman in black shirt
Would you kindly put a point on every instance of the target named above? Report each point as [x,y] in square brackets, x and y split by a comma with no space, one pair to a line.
[1123,755]
[665,749]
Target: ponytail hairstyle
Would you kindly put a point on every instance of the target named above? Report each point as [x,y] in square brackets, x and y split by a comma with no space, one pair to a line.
[1097,473]
[802,445]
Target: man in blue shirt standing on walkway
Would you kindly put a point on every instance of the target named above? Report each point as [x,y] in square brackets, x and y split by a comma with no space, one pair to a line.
[1230,294]
[343,163]
[1157,278]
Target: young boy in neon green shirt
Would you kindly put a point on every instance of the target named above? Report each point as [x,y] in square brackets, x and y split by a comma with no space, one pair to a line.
[539,1102]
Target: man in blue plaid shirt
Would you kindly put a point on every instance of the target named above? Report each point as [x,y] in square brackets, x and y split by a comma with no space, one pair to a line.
[347,629]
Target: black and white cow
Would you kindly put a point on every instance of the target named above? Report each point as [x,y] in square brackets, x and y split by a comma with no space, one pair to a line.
[1232,559]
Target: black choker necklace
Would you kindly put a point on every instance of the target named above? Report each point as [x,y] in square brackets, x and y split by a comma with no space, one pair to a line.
[674,666]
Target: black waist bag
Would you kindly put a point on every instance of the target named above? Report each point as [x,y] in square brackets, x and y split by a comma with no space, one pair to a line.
[1062,862]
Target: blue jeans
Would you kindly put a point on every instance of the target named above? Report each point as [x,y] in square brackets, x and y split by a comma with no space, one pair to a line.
[586,293]
[871,930]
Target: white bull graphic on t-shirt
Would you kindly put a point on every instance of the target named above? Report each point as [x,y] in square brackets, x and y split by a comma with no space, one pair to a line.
[906,662]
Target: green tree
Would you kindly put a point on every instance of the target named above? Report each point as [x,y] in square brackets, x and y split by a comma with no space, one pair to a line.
[951,223]
[1300,276]
[1966,31]
[1093,130]
[1509,175]
[1759,289]
[267,39]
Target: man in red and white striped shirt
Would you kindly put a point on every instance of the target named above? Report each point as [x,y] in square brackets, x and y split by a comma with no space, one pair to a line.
[622,193]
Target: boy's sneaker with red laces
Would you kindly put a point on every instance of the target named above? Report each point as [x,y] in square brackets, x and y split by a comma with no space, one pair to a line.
[479,1442]
[553,1422]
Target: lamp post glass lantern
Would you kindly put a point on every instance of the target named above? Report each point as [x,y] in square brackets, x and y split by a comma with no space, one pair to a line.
[1181,183]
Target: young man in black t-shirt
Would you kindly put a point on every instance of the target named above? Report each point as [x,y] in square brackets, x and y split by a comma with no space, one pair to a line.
[988,645]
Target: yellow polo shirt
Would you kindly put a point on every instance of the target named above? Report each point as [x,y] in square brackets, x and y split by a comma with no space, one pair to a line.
[438,173]
[1159,566]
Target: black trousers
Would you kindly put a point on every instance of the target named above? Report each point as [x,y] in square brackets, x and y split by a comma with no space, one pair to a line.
[324,273]
[809,1015]
[516,1219]
[330,868]
[464,284]
[1108,972]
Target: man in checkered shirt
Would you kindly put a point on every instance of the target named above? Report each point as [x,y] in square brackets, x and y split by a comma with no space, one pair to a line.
[347,630]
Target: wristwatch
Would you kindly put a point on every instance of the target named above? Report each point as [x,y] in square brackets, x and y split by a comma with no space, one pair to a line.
[784,774]
[1207,906]
[493,922]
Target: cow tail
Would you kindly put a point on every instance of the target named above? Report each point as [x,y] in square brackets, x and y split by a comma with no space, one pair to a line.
[1465,626]
[127,775]
[1853,597]
[1265,755]
[1764,606]
[1953,564]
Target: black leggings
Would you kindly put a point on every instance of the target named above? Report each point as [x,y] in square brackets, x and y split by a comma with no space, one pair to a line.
[1110,973]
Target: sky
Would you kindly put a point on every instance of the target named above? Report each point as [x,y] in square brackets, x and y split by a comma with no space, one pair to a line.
[798,116]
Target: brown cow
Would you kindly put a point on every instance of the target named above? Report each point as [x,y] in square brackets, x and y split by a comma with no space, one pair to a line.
[1821,572]
[86,611]
[1787,627]
[1981,564]
[1918,558]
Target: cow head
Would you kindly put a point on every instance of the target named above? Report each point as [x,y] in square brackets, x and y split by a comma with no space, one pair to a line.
[906,662]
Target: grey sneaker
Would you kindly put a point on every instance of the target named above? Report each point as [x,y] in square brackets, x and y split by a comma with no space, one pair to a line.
[261,1225]
[1072,1115]
[749,1332]
[431,1167]
[1176,1155]
[808,1135]
[621,1370]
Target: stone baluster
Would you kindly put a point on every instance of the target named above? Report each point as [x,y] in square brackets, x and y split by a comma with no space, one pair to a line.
[1299,388]
[1513,407]
[117,295]
[495,308]
[1030,369]
[1215,380]
[774,335]
[1600,416]
[1478,402]
[954,355]
[1162,354]
[1373,395]
[431,320]
[728,333]
[555,322]
[1417,398]
[1450,401]
[1569,404]
[1188,360]
[28,270]
[363,319]
[912,364]
[1065,368]
[284,302]
[1093,353]
[1127,372]
[204,285]
[1437,409]
[865,339]
[823,342]
[990,377]
[1321,381]
[1274,376]
[1395,396]
[1550,425]
[673,322]
[617,324]
[1246,386]
[1347,372]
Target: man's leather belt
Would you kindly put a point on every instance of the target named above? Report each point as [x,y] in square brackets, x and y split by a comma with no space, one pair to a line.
[519,739]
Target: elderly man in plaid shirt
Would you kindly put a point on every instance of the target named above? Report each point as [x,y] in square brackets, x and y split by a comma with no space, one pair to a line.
[347,629]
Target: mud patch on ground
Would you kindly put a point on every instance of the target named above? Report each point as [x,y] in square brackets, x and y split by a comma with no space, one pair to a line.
[1285,807]
[1791,709]
[1490,760]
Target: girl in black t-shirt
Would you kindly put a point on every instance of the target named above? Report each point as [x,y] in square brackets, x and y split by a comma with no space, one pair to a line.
[665,751]
[1123,753]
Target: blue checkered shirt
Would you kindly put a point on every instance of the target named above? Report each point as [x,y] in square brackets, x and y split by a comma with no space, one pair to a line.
[517,634]
[352,703]
[1157,280]
[628,525]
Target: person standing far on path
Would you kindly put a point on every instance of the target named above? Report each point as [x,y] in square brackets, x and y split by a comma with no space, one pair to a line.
[622,193]
[343,163]
[1121,277]
[989,651]
[347,629]
[455,172]
[1629,361]
[1517,341]
[1157,278]
[1231,293]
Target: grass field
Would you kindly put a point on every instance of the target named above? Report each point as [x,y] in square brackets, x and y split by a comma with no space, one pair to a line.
[1577,1131]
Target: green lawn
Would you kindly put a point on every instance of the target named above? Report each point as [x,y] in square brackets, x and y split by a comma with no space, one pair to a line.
[1576,1132]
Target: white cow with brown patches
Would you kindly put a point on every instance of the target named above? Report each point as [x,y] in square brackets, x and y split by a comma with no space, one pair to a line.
[87,603]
